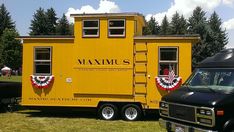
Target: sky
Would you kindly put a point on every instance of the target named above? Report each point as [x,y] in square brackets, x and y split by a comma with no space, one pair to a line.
[22,11]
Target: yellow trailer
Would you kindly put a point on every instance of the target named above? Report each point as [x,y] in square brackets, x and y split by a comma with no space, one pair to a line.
[108,64]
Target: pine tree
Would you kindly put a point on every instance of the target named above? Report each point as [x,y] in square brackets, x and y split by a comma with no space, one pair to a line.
[175,24]
[1,50]
[219,36]
[165,27]
[63,27]
[183,25]
[197,22]
[39,23]
[51,21]
[146,30]
[5,19]
[178,24]
[5,23]
[198,25]
[152,27]
[71,28]
[11,54]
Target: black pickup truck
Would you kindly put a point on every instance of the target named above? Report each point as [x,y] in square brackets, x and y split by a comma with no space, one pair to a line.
[205,102]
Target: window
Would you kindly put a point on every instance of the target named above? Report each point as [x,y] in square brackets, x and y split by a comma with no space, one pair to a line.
[116,28]
[168,60]
[90,28]
[42,60]
[212,79]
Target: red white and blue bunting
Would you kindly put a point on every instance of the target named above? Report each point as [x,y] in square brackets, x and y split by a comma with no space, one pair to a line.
[41,81]
[164,84]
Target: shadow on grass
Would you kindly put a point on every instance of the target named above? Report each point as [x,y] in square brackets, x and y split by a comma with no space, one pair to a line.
[60,113]
[151,116]
[81,113]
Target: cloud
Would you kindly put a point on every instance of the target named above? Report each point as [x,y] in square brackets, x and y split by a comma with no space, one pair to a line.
[186,8]
[229,24]
[228,2]
[105,6]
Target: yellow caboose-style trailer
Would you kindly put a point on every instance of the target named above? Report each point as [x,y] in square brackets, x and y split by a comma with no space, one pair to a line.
[108,64]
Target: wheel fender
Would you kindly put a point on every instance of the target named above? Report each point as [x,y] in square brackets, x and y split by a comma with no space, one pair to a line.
[228,124]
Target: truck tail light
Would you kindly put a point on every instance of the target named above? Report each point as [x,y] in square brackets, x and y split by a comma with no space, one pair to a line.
[220,113]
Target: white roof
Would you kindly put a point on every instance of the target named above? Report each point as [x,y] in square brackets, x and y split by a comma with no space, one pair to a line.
[5,68]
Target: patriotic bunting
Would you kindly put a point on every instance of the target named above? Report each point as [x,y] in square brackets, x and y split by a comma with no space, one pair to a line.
[165,84]
[41,81]
[170,82]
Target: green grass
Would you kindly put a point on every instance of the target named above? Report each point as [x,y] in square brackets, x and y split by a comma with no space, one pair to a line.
[29,121]
[11,79]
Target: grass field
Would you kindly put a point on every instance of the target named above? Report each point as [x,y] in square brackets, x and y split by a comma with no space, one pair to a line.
[33,121]
[11,79]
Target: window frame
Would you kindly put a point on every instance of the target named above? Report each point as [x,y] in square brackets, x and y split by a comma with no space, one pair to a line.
[168,62]
[85,28]
[34,60]
[109,28]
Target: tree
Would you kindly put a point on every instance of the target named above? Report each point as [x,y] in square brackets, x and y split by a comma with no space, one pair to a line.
[5,20]
[51,21]
[63,27]
[199,25]
[165,27]
[183,25]
[39,23]
[71,28]
[152,27]
[5,23]
[178,24]
[146,30]
[197,21]
[219,36]
[1,50]
[44,23]
[11,54]
[175,24]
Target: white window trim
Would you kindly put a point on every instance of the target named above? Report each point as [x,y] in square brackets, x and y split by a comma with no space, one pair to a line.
[119,35]
[98,28]
[173,61]
[34,59]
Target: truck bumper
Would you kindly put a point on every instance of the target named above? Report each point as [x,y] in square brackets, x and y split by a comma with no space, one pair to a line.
[176,127]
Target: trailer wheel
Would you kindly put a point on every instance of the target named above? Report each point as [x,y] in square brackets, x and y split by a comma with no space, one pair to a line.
[131,112]
[107,111]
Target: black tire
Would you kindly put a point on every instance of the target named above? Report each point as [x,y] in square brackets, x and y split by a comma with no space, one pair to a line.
[107,111]
[229,129]
[131,112]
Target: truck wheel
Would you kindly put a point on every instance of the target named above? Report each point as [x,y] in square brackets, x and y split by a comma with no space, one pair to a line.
[107,111]
[131,112]
[229,129]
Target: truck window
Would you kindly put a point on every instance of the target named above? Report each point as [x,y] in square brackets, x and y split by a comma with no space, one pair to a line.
[201,79]
[90,28]
[116,28]
[168,60]
[216,79]
[42,60]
